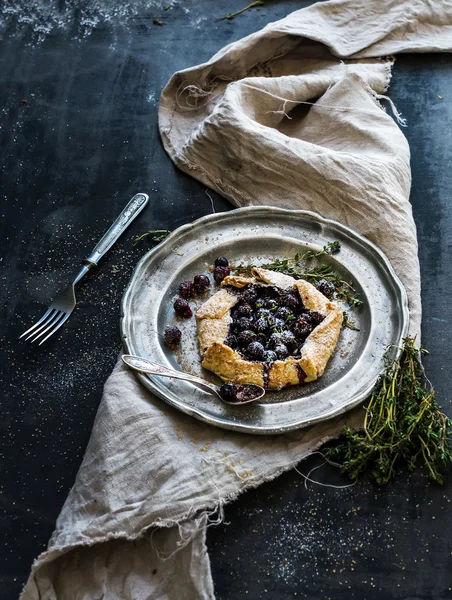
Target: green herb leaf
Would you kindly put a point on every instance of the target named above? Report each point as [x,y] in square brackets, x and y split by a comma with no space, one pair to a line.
[347,323]
[155,235]
[230,16]
[297,268]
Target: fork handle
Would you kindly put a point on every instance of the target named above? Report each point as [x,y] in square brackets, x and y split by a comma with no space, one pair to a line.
[132,210]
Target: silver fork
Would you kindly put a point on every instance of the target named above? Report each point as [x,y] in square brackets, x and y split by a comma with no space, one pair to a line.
[61,308]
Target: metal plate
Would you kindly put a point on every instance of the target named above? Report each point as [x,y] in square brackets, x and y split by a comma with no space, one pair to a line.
[258,235]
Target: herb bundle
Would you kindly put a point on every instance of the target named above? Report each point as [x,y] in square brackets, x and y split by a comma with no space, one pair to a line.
[403,425]
[297,268]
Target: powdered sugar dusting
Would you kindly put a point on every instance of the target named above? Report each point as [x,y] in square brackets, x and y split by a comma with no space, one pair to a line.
[40,18]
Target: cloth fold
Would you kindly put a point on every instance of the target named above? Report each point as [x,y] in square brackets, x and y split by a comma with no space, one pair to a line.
[289,116]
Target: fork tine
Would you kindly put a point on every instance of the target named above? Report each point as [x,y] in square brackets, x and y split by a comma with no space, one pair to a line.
[67,315]
[46,322]
[46,314]
[50,322]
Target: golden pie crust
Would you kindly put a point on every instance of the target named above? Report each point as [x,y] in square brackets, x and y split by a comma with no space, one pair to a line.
[213,319]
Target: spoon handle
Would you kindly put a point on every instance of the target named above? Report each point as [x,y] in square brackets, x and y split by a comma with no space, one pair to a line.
[148,366]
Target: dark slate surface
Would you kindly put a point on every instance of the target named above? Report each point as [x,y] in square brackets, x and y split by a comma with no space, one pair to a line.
[85,141]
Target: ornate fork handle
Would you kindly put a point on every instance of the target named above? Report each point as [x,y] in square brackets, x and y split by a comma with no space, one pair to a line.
[130,212]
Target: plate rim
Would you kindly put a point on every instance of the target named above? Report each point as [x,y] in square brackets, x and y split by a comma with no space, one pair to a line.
[237,426]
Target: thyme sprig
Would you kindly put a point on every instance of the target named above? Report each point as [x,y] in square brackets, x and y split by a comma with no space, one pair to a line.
[230,16]
[155,235]
[403,425]
[348,323]
[297,268]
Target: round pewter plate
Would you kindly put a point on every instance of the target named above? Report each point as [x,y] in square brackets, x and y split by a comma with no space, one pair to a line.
[259,235]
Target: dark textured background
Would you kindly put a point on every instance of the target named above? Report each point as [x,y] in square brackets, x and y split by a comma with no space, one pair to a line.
[87,140]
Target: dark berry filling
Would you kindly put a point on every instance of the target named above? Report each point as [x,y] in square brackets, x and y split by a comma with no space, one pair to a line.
[316,317]
[182,308]
[172,336]
[270,324]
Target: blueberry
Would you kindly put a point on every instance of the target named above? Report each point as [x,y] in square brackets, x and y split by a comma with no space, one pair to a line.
[326,288]
[291,300]
[260,302]
[222,262]
[228,391]
[219,273]
[249,295]
[276,339]
[244,323]
[244,310]
[172,336]
[284,313]
[288,339]
[182,308]
[271,304]
[186,289]
[278,324]
[201,283]
[261,325]
[256,351]
[303,328]
[271,320]
[262,313]
[270,356]
[281,351]
[231,341]
[245,338]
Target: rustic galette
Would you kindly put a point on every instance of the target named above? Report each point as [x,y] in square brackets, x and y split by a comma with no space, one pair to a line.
[268,329]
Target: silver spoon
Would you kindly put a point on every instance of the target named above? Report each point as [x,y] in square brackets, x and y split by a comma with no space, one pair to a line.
[228,392]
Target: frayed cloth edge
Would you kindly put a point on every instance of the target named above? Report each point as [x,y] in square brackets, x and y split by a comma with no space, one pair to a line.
[217,506]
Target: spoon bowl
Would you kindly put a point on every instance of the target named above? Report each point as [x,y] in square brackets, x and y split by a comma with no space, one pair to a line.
[229,393]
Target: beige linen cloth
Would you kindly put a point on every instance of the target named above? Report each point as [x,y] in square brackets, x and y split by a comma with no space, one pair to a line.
[288,116]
